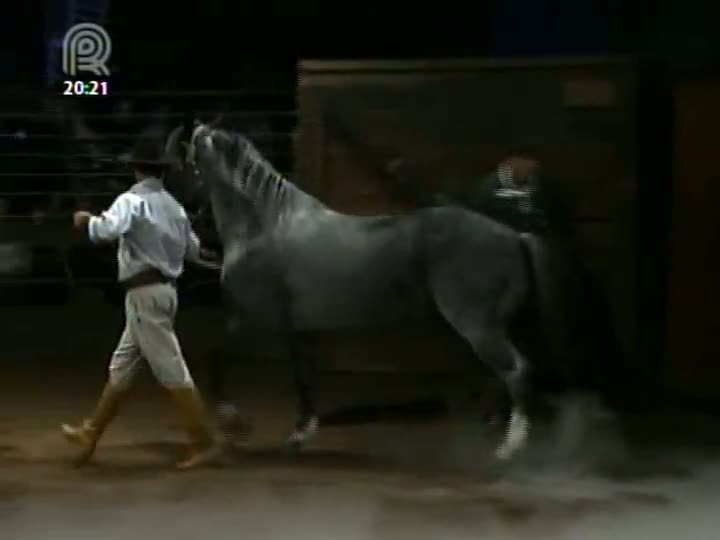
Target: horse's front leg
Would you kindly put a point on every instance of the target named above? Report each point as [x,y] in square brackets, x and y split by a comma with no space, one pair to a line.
[308,422]
[233,427]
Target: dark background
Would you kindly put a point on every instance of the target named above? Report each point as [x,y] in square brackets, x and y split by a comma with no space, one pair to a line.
[218,43]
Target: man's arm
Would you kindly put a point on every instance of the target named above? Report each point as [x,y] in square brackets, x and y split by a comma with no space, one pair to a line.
[112,223]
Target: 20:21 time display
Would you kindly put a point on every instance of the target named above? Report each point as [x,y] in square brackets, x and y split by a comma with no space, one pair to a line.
[85,88]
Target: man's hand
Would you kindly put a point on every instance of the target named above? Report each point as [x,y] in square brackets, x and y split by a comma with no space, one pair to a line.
[209,255]
[81,219]
[208,259]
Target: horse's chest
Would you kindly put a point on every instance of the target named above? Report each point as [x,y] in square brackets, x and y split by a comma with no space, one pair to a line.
[251,274]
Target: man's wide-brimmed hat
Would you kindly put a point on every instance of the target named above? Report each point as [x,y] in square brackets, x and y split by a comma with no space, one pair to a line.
[149,148]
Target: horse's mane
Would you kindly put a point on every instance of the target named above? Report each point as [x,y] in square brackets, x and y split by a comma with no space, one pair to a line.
[258,172]
[270,192]
[251,175]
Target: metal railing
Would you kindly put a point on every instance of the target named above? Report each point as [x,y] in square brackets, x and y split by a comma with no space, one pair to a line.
[38,200]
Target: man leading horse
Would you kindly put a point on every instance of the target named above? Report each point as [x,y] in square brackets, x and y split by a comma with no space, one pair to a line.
[154,238]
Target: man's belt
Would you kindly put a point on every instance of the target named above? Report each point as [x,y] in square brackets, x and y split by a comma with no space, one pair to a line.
[145,278]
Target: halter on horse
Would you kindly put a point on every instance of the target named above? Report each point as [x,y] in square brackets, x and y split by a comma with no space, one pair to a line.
[292,264]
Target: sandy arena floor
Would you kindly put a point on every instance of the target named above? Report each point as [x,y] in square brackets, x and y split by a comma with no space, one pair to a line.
[427,480]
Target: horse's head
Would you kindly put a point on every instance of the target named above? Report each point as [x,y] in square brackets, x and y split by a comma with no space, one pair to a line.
[193,154]
[203,155]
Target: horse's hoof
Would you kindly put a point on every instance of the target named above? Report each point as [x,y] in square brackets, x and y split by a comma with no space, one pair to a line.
[304,431]
[515,437]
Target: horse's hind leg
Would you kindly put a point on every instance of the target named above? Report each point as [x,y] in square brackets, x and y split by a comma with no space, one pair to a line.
[512,367]
[308,422]
[492,346]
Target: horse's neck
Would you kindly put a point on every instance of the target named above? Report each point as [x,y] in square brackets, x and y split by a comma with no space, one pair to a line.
[237,219]
[232,221]
[276,199]
[295,200]
[255,197]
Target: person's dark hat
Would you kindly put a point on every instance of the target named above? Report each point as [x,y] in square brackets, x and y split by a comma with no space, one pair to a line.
[149,148]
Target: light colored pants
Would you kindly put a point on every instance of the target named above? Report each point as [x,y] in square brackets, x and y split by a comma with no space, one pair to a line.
[150,334]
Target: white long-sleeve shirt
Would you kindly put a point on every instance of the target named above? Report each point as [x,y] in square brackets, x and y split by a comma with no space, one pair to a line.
[152,229]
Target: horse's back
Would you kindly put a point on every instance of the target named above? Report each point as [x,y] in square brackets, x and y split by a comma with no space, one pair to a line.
[345,244]
[465,232]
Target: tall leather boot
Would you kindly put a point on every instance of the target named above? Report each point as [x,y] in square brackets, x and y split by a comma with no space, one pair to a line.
[91,430]
[204,449]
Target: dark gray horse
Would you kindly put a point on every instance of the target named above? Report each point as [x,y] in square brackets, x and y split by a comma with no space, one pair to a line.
[293,265]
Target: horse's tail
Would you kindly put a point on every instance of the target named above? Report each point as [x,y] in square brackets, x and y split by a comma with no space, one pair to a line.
[538,330]
[574,345]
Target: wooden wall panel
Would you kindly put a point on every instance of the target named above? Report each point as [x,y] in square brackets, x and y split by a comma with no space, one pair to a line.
[692,347]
